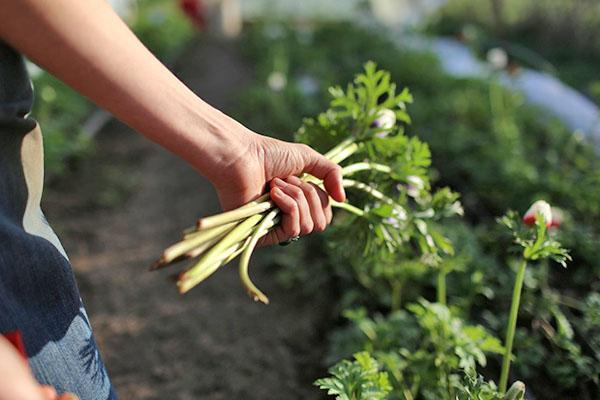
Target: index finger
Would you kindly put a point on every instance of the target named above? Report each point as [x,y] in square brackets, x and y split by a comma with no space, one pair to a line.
[329,172]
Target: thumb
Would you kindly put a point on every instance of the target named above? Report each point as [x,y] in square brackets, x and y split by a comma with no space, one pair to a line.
[317,165]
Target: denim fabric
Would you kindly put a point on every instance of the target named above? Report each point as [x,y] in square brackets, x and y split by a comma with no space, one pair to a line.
[38,293]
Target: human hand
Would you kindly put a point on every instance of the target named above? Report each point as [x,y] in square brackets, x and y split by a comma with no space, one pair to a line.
[270,162]
[16,380]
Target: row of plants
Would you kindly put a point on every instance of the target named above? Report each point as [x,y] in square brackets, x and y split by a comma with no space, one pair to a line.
[430,306]
[61,112]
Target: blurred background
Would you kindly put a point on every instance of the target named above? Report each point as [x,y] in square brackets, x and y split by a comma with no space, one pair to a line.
[506,94]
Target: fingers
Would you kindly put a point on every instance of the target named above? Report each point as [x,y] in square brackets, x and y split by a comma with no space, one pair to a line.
[315,202]
[305,208]
[331,173]
[299,222]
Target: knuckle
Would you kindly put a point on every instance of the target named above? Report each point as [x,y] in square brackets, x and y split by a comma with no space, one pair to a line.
[297,193]
[307,227]
[293,209]
[294,231]
[320,226]
[310,190]
[306,148]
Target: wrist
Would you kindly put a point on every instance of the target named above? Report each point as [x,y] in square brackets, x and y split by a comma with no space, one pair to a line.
[211,141]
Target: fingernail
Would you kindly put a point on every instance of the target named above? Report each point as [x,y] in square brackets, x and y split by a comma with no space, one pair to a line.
[277,191]
[279,182]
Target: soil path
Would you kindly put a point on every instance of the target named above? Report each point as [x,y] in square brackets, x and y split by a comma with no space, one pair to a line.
[116,214]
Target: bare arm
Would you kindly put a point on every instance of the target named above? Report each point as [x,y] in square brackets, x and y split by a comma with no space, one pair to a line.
[85,44]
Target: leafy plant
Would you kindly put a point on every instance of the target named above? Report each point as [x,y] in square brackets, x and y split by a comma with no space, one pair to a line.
[423,352]
[356,380]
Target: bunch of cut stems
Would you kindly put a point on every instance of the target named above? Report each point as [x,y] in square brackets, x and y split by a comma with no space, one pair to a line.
[216,240]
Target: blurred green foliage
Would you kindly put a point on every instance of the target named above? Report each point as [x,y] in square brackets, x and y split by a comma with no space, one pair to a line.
[487,145]
[544,26]
[60,111]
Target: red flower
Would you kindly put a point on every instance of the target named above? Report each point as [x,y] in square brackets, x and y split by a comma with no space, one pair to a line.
[539,207]
[195,11]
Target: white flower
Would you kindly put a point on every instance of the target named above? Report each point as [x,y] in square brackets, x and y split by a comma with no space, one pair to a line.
[415,185]
[277,81]
[539,207]
[385,120]
[497,58]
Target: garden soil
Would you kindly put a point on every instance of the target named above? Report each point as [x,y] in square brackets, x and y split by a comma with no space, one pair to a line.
[116,211]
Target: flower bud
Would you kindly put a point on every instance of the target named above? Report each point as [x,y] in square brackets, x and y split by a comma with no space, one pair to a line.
[516,391]
[539,207]
[415,185]
[385,120]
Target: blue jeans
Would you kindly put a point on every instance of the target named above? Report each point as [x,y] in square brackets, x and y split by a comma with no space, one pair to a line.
[38,293]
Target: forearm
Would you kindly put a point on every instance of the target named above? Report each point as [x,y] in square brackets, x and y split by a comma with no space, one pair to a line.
[85,44]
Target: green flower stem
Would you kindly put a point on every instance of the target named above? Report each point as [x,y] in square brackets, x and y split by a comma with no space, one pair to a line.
[365,166]
[209,267]
[441,286]
[349,183]
[234,215]
[261,230]
[339,147]
[205,267]
[345,153]
[207,233]
[348,207]
[198,251]
[177,250]
[512,324]
[261,199]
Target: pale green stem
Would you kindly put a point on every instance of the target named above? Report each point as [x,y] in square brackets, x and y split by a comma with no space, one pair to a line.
[203,269]
[186,245]
[206,233]
[209,267]
[512,324]
[261,199]
[198,251]
[339,147]
[372,191]
[234,215]
[365,166]
[235,253]
[261,230]
[345,153]
[348,207]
